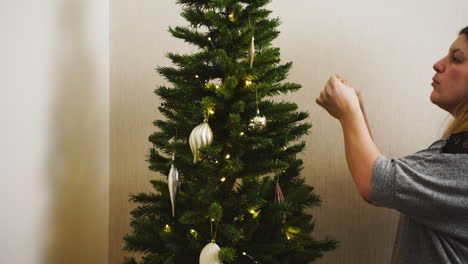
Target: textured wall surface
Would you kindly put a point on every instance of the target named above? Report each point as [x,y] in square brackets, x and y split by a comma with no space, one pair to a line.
[386,48]
[55,126]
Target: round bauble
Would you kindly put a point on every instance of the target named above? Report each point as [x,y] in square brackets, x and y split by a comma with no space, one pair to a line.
[258,123]
[210,254]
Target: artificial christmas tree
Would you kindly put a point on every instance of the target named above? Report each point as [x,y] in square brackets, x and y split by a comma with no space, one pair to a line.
[234,193]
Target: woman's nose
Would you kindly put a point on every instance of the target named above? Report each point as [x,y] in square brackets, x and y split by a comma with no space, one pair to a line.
[439,66]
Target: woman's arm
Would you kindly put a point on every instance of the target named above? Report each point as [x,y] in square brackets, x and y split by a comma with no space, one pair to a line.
[361,151]
[361,104]
[342,102]
[361,100]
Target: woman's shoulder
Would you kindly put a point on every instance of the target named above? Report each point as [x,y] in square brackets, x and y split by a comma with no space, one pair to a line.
[456,143]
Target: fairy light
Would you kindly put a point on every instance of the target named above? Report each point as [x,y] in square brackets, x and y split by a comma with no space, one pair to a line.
[241,133]
[223,179]
[194,233]
[167,228]
[252,211]
[228,156]
[209,38]
[211,111]
[248,80]
[291,231]
[250,257]
[231,17]
[196,76]
[285,148]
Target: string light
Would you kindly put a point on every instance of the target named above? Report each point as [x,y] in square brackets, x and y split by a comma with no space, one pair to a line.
[250,257]
[248,80]
[241,133]
[252,211]
[211,111]
[231,17]
[209,38]
[291,231]
[167,228]
[223,179]
[285,148]
[228,156]
[194,233]
[196,76]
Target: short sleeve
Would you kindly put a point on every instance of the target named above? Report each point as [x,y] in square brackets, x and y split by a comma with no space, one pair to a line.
[382,184]
[424,184]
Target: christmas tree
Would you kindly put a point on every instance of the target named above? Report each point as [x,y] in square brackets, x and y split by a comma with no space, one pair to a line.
[233,192]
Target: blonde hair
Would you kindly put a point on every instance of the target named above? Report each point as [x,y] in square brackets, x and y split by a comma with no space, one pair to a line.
[460,121]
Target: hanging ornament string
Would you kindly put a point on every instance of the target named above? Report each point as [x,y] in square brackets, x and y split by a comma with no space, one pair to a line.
[258,123]
[256,99]
[279,197]
[212,46]
[213,236]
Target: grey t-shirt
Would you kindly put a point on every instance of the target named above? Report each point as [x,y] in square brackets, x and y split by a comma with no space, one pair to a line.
[430,190]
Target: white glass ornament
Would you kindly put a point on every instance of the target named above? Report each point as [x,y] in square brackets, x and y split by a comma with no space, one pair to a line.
[201,136]
[252,51]
[210,254]
[173,184]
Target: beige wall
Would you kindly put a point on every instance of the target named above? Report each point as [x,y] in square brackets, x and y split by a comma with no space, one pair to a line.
[55,132]
[386,48]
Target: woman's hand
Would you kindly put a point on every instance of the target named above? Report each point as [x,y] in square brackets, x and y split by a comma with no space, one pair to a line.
[342,102]
[338,98]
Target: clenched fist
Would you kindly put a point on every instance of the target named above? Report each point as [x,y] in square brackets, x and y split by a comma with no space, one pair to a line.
[338,98]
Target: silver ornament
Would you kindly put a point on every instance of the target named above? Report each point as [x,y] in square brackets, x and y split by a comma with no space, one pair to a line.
[173,183]
[252,51]
[258,122]
[201,136]
[210,254]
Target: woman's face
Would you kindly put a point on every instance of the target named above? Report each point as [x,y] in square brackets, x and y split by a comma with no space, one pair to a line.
[451,79]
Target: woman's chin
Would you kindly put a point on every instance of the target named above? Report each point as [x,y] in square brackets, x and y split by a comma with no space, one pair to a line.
[434,97]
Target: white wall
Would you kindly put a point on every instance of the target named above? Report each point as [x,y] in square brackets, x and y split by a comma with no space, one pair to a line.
[55,126]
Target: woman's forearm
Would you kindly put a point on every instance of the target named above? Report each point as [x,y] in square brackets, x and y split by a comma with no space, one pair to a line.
[361,104]
[361,151]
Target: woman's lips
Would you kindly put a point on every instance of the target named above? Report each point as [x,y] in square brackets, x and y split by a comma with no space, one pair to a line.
[434,82]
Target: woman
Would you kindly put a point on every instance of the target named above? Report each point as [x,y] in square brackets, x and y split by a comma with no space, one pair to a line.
[428,188]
